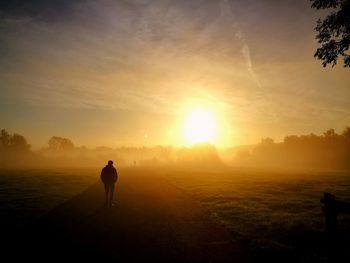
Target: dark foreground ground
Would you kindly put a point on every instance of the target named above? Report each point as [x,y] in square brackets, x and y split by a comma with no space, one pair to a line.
[152,221]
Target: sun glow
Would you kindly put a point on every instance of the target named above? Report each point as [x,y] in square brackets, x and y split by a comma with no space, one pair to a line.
[200,126]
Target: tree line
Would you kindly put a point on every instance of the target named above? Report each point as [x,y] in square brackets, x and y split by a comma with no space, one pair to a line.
[327,151]
[15,152]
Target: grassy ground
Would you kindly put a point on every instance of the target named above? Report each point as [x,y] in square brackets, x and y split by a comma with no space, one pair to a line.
[27,194]
[274,213]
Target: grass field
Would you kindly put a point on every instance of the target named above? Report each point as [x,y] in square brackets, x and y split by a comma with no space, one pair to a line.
[27,194]
[274,213]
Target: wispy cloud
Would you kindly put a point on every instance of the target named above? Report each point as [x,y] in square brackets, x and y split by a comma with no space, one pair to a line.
[123,58]
[227,14]
[152,56]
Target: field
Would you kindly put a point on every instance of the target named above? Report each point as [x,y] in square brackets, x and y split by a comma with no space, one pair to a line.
[27,194]
[274,213]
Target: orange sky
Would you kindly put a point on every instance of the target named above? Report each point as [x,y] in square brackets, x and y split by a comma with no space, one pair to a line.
[128,72]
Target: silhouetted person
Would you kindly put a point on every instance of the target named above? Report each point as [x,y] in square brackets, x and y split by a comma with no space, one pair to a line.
[109,177]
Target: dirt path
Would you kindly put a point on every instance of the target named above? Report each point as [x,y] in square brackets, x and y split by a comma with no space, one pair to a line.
[153,221]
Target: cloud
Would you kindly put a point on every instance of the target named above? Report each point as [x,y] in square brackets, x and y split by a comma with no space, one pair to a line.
[226,13]
[152,56]
[145,60]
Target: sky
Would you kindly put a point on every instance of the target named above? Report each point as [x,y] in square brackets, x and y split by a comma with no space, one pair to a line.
[128,72]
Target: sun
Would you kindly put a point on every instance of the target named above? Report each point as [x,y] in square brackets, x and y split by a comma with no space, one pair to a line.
[200,126]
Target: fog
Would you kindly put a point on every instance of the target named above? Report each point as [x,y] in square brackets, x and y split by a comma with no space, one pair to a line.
[329,151]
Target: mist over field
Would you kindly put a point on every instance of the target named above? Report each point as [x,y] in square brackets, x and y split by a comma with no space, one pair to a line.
[267,194]
[329,151]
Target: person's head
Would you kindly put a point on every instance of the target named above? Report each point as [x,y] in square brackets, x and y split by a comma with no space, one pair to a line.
[110,162]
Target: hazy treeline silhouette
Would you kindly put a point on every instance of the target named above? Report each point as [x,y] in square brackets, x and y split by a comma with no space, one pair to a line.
[15,152]
[63,153]
[327,151]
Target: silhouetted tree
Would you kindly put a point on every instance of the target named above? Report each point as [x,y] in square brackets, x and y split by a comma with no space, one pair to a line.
[333,31]
[329,133]
[346,133]
[4,139]
[14,150]
[57,143]
[19,143]
[329,150]
[13,142]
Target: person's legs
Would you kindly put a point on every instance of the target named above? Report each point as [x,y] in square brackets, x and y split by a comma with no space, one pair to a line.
[106,193]
[111,194]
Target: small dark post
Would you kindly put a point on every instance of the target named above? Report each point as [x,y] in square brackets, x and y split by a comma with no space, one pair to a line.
[330,212]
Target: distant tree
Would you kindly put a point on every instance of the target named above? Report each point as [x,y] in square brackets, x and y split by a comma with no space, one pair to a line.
[66,144]
[333,31]
[4,139]
[267,142]
[19,143]
[57,143]
[346,133]
[54,143]
[14,150]
[13,142]
[329,133]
